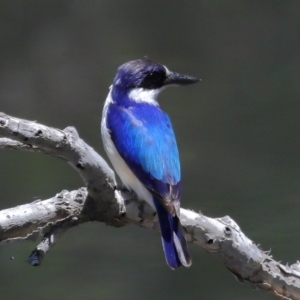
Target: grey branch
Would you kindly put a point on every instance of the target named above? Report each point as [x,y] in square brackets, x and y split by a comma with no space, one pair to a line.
[47,220]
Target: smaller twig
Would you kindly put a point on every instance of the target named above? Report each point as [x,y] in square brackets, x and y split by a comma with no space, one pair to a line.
[49,240]
[6,143]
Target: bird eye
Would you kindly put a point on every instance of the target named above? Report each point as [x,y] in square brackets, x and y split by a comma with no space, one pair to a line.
[153,80]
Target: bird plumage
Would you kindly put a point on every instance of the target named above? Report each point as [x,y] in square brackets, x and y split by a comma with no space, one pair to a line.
[140,142]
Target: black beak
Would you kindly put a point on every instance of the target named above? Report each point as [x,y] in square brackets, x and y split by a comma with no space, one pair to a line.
[180,79]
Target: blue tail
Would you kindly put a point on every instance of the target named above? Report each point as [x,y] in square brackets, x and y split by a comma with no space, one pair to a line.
[174,243]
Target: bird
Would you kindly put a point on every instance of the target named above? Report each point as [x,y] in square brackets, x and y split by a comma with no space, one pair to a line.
[140,143]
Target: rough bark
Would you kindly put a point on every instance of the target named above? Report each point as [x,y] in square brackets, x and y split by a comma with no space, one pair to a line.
[100,201]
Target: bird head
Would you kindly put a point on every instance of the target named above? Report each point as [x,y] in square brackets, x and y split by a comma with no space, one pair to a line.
[144,77]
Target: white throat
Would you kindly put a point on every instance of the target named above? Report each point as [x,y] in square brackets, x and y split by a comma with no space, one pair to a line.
[144,95]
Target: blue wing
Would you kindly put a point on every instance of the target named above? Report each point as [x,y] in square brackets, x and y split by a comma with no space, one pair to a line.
[144,138]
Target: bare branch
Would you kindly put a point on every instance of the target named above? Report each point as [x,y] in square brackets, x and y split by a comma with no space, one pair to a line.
[221,237]
[67,145]
[33,220]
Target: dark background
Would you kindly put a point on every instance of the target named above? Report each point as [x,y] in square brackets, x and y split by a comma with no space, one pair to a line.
[237,131]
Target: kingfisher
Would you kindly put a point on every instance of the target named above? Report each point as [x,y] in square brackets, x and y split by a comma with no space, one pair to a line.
[139,141]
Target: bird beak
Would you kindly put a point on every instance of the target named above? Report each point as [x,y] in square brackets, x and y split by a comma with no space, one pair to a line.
[180,79]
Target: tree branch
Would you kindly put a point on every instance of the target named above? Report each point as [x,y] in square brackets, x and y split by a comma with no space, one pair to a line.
[49,219]
[67,145]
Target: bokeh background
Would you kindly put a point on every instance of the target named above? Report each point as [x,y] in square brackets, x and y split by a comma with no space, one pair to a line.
[238,134]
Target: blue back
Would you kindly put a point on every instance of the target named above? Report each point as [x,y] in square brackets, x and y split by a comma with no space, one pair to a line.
[143,135]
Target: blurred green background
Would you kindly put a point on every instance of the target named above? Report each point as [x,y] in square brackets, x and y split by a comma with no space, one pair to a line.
[238,134]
